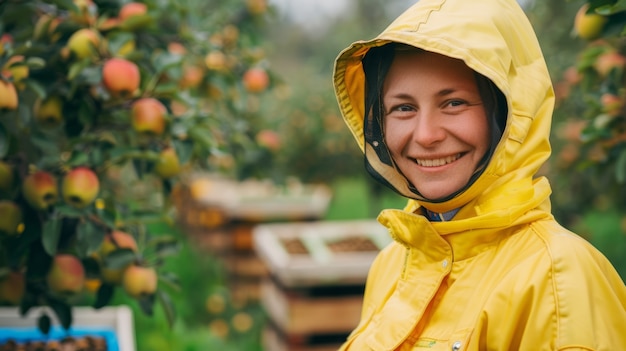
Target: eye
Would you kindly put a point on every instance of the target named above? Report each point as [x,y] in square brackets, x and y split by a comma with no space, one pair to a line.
[455,103]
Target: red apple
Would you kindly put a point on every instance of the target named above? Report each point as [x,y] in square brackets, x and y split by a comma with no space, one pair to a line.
[12,288]
[611,104]
[256,80]
[8,95]
[148,116]
[84,43]
[168,165]
[80,187]
[132,9]
[192,76]
[10,217]
[120,77]
[49,112]
[588,25]
[269,139]
[609,61]
[7,177]
[66,274]
[40,190]
[139,281]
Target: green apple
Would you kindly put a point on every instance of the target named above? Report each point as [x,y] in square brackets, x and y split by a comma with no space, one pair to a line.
[84,43]
[168,165]
[66,274]
[40,190]
[10,217]
[49,112]
[139,281]
[80,187]
[7,177]
[588,26]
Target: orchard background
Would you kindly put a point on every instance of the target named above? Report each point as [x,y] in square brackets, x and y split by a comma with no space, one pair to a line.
[106,107]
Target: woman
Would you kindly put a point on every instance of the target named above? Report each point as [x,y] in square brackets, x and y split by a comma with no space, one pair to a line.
[452,106]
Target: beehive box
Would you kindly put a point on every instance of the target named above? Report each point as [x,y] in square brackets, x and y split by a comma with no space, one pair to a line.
[313,294]
[112,324]
[320,253]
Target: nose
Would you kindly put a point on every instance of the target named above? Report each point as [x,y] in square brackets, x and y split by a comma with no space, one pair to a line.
[428,130]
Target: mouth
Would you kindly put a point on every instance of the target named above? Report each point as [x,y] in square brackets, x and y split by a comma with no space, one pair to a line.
[438,162]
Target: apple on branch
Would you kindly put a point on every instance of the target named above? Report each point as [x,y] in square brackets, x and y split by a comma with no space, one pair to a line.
[148,116]
[10,217]
[8,95]
[131,9]
[168,164]
[121,77]
[40,190]
[84,43]
[49,111]
[256,80]
[66,274]
[12,287]
[588,26]
[7,177]
[139,281]
[80,187]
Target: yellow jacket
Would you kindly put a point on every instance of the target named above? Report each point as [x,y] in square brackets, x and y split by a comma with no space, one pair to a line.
[503,274]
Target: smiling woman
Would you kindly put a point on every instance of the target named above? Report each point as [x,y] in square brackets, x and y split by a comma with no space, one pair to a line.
[437,130]
[452,107]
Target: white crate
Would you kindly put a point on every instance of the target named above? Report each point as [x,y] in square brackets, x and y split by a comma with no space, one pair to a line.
[117,318]
[320,266]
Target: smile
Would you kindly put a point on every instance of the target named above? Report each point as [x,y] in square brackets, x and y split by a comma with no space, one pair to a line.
[437,162]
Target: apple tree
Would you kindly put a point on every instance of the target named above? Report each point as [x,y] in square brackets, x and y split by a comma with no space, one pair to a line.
[596,138]
[104,106]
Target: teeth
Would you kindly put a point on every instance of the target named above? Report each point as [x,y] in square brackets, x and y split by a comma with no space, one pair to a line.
[438,162]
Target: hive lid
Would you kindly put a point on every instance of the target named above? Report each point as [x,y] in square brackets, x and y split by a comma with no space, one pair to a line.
[321,252]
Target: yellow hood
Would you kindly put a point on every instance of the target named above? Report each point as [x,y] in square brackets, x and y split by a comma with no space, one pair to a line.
[495,39]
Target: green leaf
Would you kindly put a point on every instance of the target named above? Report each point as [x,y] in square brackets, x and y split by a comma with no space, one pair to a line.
[51,232]
[35,62]
[63,312]
[44,323]
[4,141]
[620,167]
[104,295]
[146,303]
[167,248]
[68,211]
[170,279]
[89,237]
[119,258]
[165,61]
[168,307]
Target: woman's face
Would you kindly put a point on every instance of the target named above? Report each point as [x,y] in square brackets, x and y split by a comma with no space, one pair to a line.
[434,121]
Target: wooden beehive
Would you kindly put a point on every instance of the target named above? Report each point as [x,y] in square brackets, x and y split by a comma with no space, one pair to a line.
[317,273]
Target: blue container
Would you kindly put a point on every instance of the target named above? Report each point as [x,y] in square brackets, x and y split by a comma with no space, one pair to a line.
[22,335]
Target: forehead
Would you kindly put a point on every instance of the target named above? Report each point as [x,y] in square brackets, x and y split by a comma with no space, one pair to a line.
[418,64]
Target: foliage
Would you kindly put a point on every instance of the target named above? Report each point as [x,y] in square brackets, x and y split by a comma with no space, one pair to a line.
[62,110]
[593,135]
